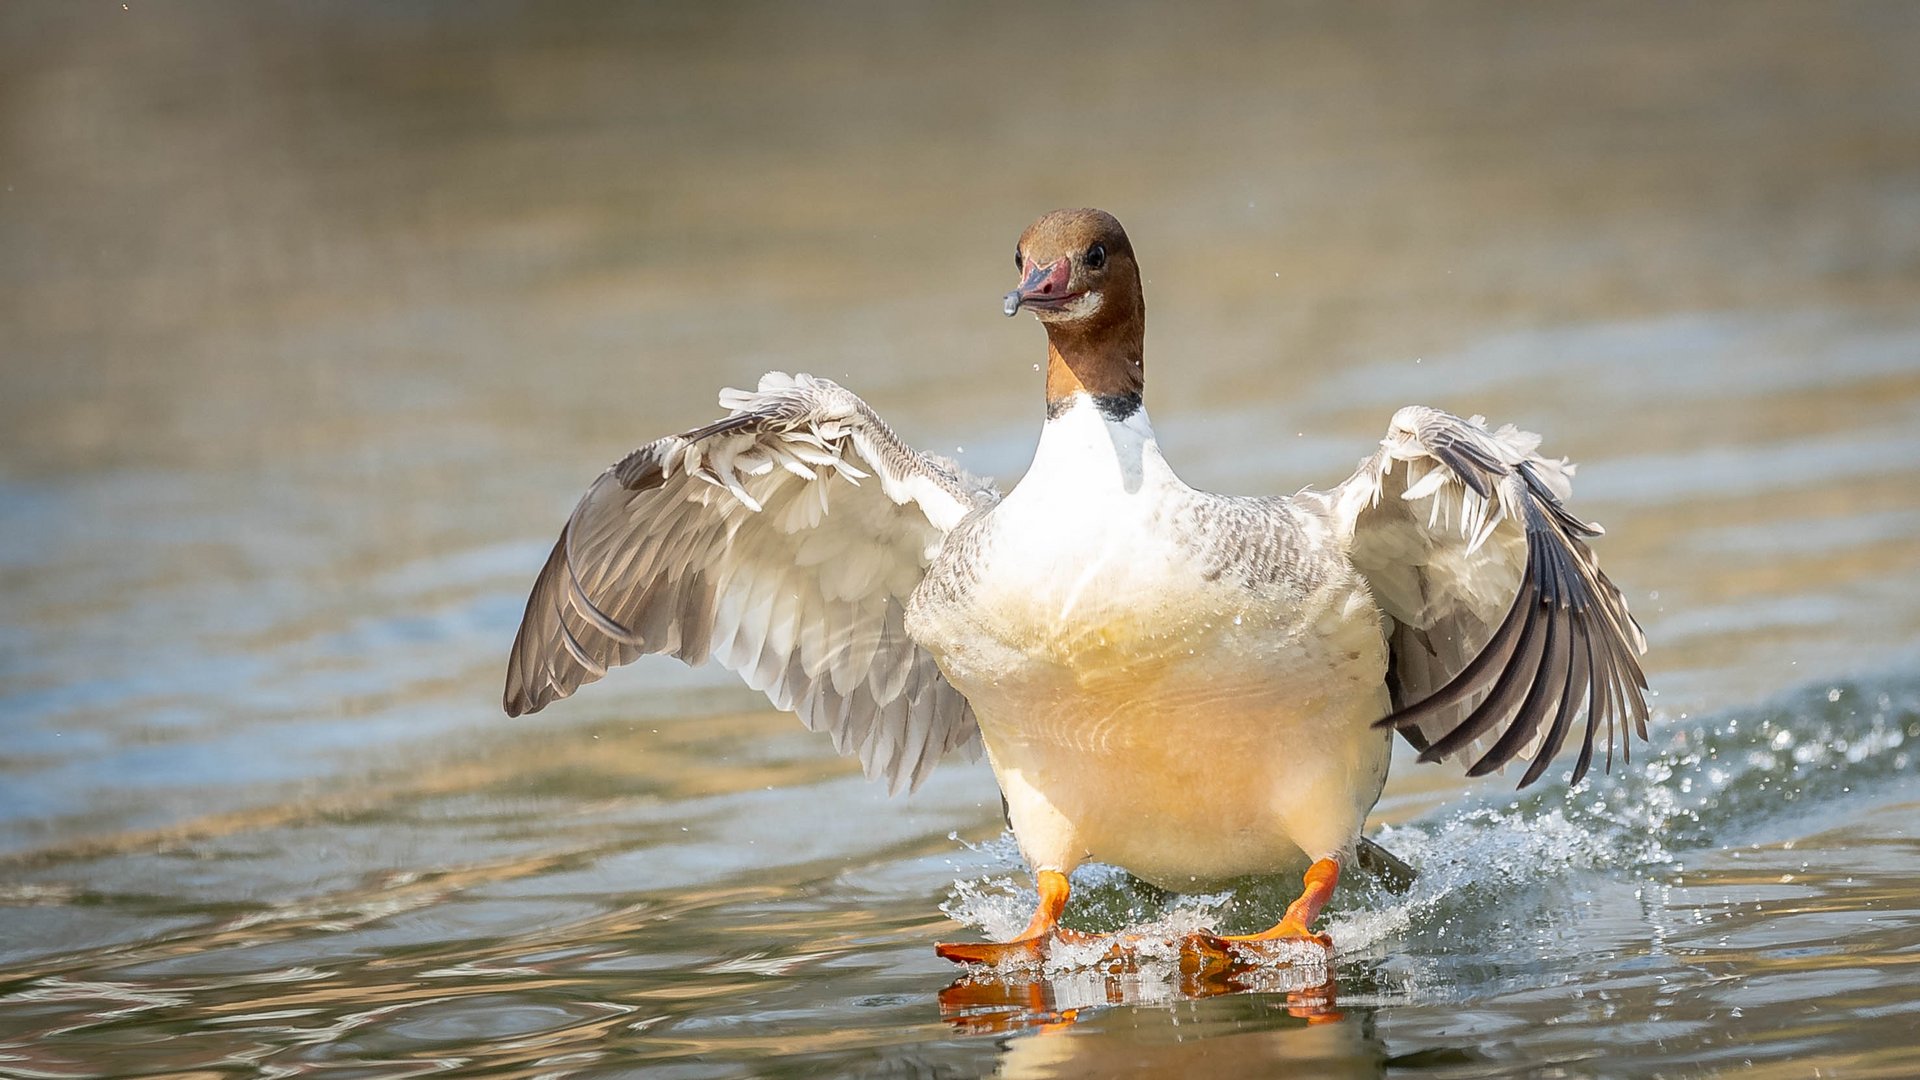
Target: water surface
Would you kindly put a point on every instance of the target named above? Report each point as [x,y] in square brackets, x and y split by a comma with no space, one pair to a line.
[314,322]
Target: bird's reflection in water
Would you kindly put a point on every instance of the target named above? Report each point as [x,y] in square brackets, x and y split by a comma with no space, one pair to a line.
[1245,1020]
[986,1002]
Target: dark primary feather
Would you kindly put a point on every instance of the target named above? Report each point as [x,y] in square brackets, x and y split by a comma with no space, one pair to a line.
[1566,641]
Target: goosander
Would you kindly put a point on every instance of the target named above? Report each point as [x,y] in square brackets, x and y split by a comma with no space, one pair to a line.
[1191,686]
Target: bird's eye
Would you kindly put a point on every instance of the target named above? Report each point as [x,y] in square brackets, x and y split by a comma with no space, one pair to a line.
[1019,261]
[1096,257]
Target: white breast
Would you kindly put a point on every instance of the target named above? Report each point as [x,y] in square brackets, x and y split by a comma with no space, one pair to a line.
[1136,711]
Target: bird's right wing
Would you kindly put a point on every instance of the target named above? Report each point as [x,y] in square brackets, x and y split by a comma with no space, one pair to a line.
[783,541]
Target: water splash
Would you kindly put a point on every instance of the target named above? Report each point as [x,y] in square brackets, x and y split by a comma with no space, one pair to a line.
[1507,882]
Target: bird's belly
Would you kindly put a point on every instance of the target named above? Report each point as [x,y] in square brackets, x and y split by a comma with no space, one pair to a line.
[1186,742]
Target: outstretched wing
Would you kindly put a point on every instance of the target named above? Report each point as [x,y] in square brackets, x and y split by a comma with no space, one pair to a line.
[1503,626]
[782,541]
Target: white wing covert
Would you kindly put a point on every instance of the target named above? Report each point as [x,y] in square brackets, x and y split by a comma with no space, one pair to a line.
[1503,625]
[783,541]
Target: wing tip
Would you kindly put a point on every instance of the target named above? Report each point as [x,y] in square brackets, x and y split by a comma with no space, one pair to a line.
[1384,866]
[521,698]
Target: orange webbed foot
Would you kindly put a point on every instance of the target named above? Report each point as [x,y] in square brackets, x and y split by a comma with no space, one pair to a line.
[1021,952]
[1204,949]
[1031,951]
[1271,945]
[1031,947]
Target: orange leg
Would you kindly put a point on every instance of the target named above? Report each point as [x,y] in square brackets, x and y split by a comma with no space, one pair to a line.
[1320,879]
[1033,943]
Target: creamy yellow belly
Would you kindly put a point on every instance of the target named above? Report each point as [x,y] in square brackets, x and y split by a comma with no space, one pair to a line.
[1190,754]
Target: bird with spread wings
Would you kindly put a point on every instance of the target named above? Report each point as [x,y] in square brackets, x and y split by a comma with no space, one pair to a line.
[908,609]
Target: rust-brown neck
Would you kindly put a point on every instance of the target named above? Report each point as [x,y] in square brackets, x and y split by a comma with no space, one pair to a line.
[1101,356]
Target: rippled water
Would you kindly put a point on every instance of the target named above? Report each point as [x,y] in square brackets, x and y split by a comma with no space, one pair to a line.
[313,322]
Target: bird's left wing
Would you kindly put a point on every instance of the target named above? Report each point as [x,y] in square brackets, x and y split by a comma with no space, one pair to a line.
[1503,627]
[784,541]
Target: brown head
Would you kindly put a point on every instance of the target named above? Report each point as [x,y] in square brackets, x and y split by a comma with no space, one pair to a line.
[1077,276]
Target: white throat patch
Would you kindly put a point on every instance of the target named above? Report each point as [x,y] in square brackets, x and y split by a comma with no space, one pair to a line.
[1079,307]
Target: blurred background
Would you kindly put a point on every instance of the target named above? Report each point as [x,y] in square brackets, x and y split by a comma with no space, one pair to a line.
[316,318]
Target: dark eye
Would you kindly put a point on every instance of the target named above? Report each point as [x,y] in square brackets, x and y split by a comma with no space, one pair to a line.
[1096,257]
[1018,261]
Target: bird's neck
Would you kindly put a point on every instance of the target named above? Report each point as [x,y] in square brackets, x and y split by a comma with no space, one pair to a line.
[1102,359]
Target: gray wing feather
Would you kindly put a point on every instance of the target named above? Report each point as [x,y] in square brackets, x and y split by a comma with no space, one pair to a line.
[783,541]
[1503,627]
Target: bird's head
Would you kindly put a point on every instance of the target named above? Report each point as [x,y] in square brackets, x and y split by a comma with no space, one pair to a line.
[1079,278]
[1075,266]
